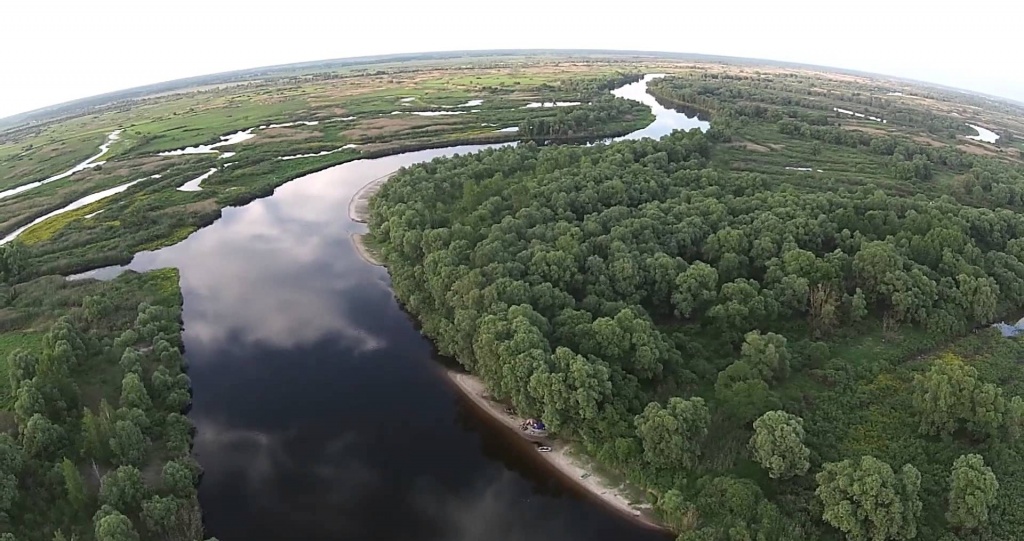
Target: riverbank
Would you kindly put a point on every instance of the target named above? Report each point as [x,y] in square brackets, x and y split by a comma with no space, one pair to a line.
[359,206]
[359,241]
[561,457]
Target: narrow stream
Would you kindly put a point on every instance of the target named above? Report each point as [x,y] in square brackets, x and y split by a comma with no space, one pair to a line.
[666,120]
[112,137]
[87,200]
[320,411]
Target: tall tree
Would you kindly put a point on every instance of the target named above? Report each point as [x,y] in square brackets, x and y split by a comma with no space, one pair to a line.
[972,492]
[115,527]
[21,367]
[123,489]
[95,436]
[128,444]
[180,477]
[767,354]
[696,289]
[11,262]
[73,485]
[866,500]
[778,445]
[672,435]
[133,393]
[950,396]
[11,463]
[43,440]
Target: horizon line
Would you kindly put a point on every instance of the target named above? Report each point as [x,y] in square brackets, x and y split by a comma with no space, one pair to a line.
[185,82]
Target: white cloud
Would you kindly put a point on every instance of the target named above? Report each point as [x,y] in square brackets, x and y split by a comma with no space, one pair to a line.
[281,271]
[56,50]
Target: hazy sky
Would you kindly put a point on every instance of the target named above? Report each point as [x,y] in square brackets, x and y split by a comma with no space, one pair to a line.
[56,50]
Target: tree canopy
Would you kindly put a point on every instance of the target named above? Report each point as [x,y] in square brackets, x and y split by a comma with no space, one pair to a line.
[778,445]
[666,303]
[972,492]
[867,501]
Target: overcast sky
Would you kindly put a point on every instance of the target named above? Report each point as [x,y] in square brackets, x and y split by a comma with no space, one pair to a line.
[57,50]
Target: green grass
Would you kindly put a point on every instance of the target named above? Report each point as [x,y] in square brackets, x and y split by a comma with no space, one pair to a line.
[155,214]
[173,237]
[31,341]
[50,227]
[42,156]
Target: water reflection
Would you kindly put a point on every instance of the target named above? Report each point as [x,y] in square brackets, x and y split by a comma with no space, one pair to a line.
[320,413]
[666,120]
[984,134]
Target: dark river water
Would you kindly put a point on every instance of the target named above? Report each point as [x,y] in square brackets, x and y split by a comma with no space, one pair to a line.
[321,411]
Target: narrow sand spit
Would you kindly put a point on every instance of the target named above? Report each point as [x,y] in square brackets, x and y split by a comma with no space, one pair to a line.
[364,252]
[560,456]
[359,205]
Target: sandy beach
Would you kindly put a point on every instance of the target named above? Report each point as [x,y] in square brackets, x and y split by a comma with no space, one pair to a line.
[364,252]
[561,456]
[359,205]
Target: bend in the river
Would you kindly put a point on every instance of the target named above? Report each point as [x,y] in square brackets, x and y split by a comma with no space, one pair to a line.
[320,412]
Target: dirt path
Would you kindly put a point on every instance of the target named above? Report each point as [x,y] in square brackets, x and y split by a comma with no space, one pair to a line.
[561,457]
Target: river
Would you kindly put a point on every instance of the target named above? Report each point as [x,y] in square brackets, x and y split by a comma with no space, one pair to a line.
[321,411]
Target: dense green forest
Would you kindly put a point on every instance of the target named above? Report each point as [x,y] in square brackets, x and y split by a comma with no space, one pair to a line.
[766,350]
[95,443]
[777,328]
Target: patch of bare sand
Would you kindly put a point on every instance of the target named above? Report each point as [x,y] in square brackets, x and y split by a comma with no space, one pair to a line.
[928,141]
[286,134]
[865,129]
[561,457]
[392,124]
[359,242]
[359,205]
[749,145]
[976,149]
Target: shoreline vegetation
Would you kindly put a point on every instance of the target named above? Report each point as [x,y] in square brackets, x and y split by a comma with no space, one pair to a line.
[743,340]
[99,402]
[780,274]
[563,456]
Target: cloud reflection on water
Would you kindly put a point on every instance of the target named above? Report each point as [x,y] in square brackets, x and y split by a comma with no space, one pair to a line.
[319,412]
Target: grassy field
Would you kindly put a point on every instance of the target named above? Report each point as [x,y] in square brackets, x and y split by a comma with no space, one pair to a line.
[347,110]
